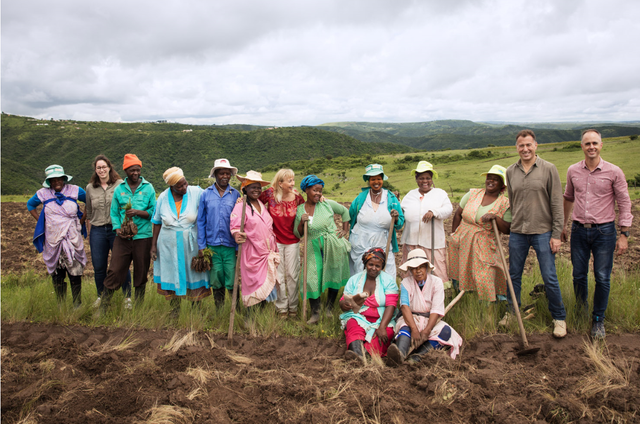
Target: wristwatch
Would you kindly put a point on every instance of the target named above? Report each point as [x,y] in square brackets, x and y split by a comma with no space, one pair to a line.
[627,234]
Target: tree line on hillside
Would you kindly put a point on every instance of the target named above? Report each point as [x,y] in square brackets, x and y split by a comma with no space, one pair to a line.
[28,148]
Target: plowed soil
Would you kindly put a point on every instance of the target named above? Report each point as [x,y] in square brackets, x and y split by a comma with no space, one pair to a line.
[55,374]
[73,374]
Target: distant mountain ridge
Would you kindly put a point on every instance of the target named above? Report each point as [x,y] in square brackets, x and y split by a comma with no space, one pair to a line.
[464,134]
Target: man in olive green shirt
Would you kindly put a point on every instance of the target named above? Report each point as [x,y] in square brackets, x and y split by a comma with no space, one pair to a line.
[535,193]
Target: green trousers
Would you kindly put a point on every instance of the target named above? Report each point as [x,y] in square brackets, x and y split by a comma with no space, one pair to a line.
[223,268]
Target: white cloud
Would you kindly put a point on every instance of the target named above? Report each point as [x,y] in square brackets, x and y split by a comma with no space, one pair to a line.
[294,63]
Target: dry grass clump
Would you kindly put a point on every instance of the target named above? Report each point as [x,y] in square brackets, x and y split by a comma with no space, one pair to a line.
[28,419]
[177,341]
[169,414]
[113,345]
[607,376]
[200,375]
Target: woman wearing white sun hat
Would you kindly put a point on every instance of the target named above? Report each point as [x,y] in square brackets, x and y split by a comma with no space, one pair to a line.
[422,307]
[421,206]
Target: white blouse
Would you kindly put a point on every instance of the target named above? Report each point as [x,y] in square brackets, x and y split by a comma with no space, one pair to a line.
[415,206]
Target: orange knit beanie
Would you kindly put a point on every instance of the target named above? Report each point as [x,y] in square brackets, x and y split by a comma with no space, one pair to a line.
[129,160]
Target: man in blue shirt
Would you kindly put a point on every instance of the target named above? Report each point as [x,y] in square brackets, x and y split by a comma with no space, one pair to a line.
[214,214]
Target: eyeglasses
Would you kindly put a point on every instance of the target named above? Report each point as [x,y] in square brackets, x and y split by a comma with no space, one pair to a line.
[100,168]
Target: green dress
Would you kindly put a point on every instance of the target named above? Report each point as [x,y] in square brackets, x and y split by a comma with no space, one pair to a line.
[328,257]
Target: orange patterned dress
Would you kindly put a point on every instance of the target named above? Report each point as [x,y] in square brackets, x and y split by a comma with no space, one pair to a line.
[473,256]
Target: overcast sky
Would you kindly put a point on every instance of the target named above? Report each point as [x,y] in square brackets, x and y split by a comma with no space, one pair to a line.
[307,62]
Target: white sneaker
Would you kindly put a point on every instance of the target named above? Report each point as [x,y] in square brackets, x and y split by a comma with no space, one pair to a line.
[559,328]
[127,303]
[96,304]
[506,320]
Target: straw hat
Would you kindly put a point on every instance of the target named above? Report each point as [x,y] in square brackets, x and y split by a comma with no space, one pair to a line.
[424,166]
[254,177]
[222,164]
[373,170]
[54,171]
[415,258]
[498,170]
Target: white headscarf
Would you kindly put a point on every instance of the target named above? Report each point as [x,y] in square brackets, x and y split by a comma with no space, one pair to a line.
[172,175]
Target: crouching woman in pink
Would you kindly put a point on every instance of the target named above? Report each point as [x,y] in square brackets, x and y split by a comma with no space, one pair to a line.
[368,319]
[259,259]
[422,305]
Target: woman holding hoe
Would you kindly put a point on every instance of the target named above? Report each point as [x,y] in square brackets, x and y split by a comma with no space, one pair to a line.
[425,209]
[473,257]
[422,306]
[259,259]
[371,215]
[328,257]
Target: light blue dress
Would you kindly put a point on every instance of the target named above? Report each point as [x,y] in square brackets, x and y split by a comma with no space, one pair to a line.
[178,243]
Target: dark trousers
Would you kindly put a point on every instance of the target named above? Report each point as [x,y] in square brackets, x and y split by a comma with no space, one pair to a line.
[101,241]
[599,241]
[60,285]
[124,252]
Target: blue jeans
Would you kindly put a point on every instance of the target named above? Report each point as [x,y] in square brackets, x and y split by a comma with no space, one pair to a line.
[601,241]
[518,250]
[101,242]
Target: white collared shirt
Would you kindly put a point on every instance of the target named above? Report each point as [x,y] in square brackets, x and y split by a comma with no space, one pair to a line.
[415,206]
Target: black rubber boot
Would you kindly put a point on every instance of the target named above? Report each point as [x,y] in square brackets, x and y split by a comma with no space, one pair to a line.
[398,350]
[76,290]
[355,351]
[218,297]
[332,294]
[175,308]
[419,353]
[138,294]
[315,311]
[59,285]
[107,295]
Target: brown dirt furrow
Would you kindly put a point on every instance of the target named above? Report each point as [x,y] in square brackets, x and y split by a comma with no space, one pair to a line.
[56,374]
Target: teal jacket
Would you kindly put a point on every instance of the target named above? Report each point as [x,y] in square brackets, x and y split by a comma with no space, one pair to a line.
[144,199]
[392,203]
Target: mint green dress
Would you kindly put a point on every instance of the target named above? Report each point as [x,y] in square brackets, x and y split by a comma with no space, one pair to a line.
[328,257]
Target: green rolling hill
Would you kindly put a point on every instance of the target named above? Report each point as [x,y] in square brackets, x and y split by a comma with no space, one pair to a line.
[29,146]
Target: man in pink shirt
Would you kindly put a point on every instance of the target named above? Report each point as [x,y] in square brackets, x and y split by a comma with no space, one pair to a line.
[593,188]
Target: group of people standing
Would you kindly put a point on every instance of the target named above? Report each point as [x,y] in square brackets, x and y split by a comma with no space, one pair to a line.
[186,222]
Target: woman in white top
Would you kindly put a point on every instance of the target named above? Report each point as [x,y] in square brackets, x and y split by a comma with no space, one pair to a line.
[420,207]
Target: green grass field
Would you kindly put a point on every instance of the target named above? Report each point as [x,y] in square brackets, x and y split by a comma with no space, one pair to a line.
[458,177]
[30,297]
